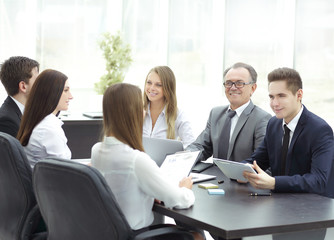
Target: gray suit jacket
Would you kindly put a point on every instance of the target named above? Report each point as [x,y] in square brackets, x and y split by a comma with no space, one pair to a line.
[247,136]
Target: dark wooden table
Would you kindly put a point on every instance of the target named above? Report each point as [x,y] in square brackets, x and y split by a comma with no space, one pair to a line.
[236,214]
[82,133]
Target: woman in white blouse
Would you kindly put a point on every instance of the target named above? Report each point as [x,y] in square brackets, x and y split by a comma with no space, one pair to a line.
[40,133]
[134,178]
[162,117]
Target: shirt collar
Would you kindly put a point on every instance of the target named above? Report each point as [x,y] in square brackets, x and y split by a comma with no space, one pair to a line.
[20,105]
[112,140]
[240,109]
[149,110]
[55,119]
[293,123]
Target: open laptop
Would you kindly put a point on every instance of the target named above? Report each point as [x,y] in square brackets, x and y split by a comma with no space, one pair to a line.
[158,148]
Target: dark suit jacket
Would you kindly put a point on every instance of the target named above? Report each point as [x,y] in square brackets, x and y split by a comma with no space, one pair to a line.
[10,117]
[246,137]
[310,156]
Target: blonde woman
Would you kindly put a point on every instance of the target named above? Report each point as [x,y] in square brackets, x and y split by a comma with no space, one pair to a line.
[162,118]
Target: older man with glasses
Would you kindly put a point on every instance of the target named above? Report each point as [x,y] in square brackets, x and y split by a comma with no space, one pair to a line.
[234,131]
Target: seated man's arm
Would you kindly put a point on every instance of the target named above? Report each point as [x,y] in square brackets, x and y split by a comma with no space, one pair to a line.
[203,143]
[260,129]
[321,148]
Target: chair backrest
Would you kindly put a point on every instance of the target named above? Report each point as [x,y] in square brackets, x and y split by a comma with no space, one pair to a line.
[76,202]
[17,200]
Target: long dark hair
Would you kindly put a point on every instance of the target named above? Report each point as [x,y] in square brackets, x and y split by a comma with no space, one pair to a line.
[43,100]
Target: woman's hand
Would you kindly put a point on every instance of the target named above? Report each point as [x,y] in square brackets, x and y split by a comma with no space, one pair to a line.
[186,182]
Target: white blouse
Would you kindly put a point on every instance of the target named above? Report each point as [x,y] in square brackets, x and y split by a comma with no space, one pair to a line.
[183,129]
[136,180]
[47,140]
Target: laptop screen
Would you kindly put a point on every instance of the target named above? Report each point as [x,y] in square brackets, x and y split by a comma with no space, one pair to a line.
[158,148]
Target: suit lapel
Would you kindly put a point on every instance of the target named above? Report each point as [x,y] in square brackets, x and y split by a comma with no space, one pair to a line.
[219,122]
[299,128]
[241,122]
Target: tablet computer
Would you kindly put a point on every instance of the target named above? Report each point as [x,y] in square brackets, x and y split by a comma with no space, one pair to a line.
[233,170]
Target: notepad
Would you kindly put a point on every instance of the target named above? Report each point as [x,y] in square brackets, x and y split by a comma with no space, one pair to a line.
[216,191]
[207,185]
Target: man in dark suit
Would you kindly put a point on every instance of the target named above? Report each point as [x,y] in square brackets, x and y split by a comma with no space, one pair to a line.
[247,126]
[305,163]
[17,75]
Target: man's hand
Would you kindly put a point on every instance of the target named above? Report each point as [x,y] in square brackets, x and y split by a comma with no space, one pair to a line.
[260,180]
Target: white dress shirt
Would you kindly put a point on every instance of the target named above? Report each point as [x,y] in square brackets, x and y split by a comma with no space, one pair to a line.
[47,140]
[236,117]
[183,129]
[292,124]
[20,105]
[135,180]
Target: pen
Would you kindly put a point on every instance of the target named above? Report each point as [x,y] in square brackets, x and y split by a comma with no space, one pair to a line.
[260,194]
[221,181]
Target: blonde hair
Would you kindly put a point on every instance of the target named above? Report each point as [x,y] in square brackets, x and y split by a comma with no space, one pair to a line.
[123,114]
[168,81]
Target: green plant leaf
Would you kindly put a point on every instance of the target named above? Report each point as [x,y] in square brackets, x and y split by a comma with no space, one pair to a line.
[117,55]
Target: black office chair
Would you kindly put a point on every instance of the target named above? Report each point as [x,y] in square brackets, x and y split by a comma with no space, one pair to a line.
[19,213]
[77,203]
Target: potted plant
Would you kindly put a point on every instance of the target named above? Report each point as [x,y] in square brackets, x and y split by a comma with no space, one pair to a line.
[118,58]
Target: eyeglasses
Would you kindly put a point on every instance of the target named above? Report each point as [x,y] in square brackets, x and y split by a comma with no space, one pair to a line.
[237,84]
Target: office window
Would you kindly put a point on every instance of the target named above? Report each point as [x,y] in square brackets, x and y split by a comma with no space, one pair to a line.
[314,55]
[18,28]
[188,39]
[260,33]
[68,33]
[198,39]
[185,35]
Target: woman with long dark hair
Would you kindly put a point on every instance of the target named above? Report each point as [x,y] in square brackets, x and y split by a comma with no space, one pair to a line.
[40,131]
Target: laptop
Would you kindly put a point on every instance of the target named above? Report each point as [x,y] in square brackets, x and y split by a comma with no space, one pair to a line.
[94,115]
[158,148]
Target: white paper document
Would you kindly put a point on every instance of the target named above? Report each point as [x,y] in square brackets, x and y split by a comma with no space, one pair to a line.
[179,165]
